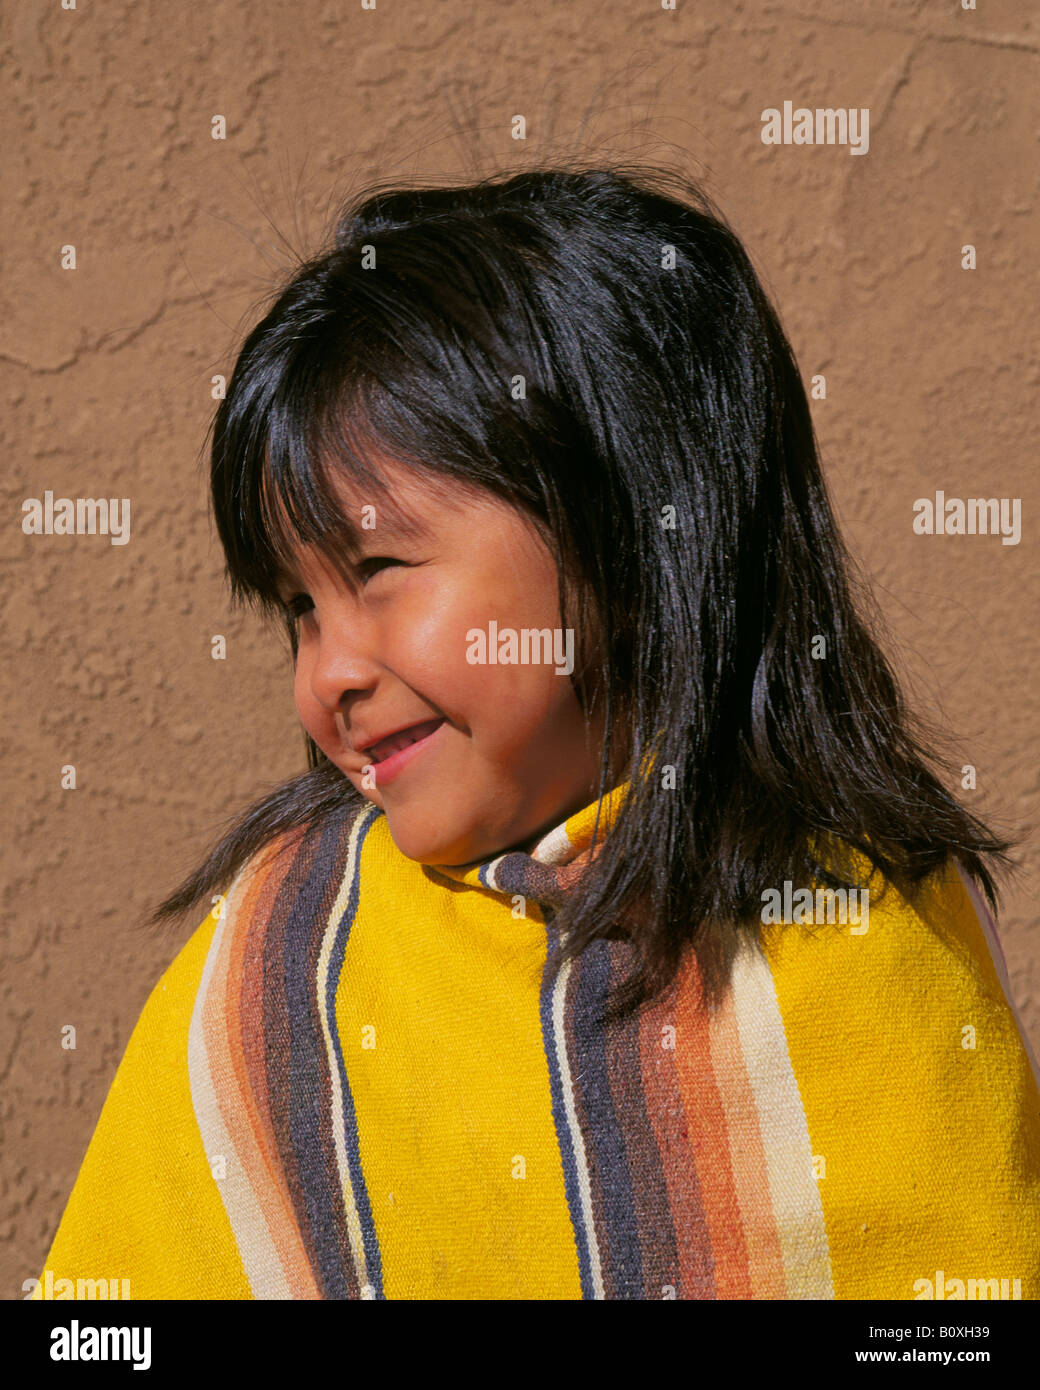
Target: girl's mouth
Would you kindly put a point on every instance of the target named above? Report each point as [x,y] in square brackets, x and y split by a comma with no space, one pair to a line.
[391,754]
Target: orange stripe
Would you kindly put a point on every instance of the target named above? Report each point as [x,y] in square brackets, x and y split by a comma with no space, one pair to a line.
[709,1144]
[254,1141]
[660,1086]
[254,1144]
[747,1154]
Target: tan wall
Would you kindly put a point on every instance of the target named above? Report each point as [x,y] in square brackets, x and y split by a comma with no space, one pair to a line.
[931,384]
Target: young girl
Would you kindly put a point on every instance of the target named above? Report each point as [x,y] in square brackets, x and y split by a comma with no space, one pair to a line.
[618,942]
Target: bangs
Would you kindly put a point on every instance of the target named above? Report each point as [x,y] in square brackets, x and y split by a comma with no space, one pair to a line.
[305,479]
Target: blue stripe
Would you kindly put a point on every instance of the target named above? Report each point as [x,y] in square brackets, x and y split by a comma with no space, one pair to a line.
[605,1148]
[350,1129]
[306,1066]
[564,1137]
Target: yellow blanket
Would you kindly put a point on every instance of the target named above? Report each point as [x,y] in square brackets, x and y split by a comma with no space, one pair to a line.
[363,1078]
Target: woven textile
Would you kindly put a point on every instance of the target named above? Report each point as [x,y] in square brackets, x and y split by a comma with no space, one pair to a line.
[367,1078]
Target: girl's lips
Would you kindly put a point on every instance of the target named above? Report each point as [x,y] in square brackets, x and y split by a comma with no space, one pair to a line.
[387,768]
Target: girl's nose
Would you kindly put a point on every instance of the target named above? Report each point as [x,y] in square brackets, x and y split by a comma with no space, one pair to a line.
[343,663]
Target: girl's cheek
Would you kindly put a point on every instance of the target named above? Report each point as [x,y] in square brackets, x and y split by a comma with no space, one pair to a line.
[316,720]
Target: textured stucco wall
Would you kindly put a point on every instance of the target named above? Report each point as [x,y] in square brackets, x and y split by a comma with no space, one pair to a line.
[931,384]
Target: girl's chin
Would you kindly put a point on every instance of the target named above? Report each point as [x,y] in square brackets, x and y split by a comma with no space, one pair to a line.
[435,846]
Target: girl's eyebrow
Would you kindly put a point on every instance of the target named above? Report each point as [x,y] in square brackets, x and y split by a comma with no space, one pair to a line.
[288,577]
[397,526]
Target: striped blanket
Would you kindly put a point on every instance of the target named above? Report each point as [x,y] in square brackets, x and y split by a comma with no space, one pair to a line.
[367,1078]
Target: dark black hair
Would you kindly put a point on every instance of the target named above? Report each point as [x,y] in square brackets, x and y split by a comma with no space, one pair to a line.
[664,446]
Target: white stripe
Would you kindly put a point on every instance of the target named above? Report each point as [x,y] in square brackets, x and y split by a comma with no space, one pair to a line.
[553,848]
[794,1192]
[353,1218]
[263,1268]
[577,1143]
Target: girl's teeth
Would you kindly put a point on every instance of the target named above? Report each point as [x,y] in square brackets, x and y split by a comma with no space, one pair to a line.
[394,745]
[396,742]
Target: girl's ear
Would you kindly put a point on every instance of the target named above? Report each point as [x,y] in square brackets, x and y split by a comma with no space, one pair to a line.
[578,609]
[591,678]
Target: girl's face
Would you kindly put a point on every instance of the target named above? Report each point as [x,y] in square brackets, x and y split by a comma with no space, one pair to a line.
[502,753]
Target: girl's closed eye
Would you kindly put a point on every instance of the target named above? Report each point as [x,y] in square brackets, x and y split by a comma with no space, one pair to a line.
[299,604]
[372,565]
